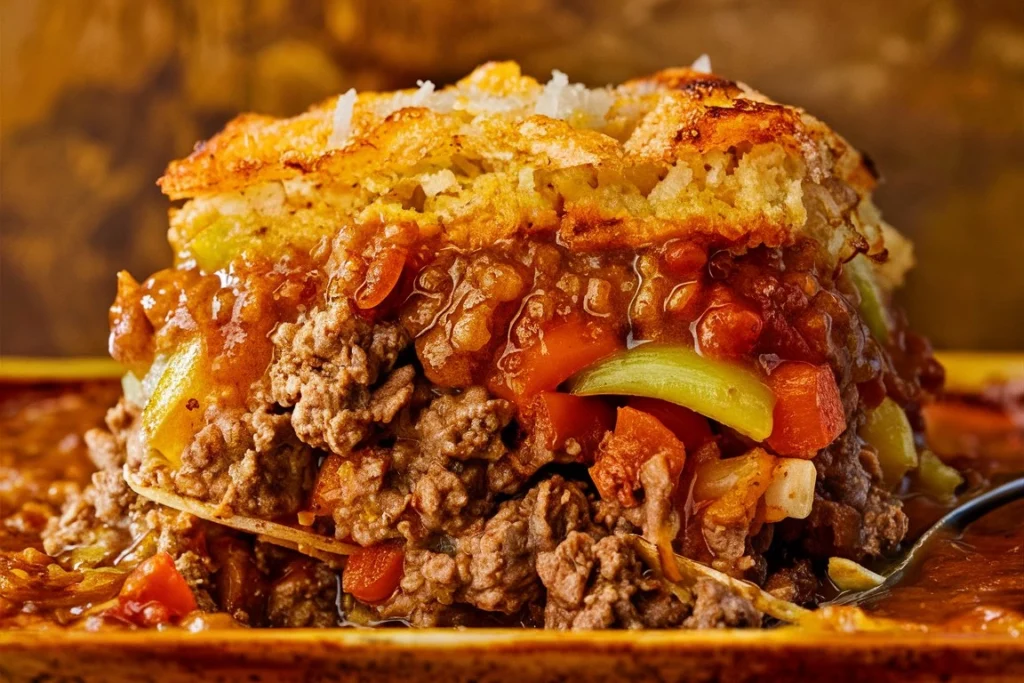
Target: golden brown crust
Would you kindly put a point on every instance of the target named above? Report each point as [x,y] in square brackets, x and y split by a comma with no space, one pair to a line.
[680,153]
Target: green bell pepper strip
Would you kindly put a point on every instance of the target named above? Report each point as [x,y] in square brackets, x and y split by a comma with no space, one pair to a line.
[935,478]
[723,391]
[888,431]
[872,302]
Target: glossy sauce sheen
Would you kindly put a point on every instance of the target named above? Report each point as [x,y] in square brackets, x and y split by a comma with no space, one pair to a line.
[472,314]
[973,583]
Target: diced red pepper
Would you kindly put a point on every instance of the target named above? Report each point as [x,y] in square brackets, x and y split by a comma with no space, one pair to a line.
[560,417]
[382,275]
[326,488]
[808,412]
[637,438]
[154,593]
[562,351]
[372,574]
[689,427]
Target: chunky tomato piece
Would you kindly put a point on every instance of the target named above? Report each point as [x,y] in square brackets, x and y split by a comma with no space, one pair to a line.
[685,259]
[689,427]
[372,574]
[808,413]
[154,593]
[560,417]
[728,330]
[637,438]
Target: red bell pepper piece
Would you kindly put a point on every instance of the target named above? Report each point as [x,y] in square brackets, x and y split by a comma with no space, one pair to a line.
[689,427]
[382,275]
[560,417]
[154,593]
[560,352]
[372,574]
[637,438]
[808,413]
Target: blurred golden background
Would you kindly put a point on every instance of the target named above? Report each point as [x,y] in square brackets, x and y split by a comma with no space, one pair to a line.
[97,96]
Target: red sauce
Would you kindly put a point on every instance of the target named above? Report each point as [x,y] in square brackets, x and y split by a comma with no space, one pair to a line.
[976,578]
[234,312]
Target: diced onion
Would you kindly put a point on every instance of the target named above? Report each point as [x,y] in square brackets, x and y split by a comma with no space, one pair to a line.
[715,479]
[133,391]
[735,484]
[847,575]
[791,493]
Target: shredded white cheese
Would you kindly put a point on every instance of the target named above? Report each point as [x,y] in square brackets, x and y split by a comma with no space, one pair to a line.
[425,96]
[702,64]
[562,100]
[342,119]
[419,98]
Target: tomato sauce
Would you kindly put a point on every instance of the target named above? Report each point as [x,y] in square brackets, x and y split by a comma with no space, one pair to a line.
[968,581]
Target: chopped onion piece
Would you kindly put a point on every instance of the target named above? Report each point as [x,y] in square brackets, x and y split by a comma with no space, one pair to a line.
[847,575]
[791,493]
[133,390]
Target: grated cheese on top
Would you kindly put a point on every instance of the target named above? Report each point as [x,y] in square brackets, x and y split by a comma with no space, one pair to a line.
[425,90]
[342,124]
[562,100]
[702,64]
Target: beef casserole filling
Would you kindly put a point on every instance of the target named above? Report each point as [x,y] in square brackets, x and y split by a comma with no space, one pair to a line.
[512,353]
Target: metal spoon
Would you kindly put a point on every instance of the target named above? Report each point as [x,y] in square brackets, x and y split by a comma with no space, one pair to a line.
[952,523]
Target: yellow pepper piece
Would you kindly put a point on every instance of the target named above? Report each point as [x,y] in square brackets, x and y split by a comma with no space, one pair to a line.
[888,431]
[936,479]
[174,413]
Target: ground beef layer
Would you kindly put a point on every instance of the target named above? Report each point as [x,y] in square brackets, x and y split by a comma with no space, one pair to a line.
[404,421]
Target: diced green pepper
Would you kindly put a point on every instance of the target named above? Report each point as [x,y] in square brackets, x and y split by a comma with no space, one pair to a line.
[720,390]
[888,431]
[220,242]
[935,478]
[229,238]
[174,412]
[873,307]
